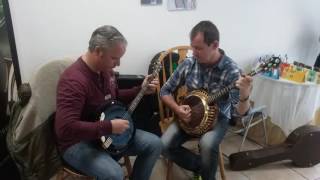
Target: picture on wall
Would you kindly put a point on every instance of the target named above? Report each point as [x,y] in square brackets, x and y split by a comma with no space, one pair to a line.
[176,5]
[151,2]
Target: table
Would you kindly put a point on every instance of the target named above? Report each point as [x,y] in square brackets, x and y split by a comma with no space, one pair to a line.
[289,104]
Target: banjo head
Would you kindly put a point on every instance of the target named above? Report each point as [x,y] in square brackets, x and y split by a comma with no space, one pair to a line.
[203,116]
[198,110]
[118,141]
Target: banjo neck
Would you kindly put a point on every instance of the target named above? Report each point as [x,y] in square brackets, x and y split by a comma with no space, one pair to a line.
[213,97]
[144,87]
[137,99]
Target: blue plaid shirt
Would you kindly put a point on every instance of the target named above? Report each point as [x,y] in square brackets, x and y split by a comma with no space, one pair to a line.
[212,78]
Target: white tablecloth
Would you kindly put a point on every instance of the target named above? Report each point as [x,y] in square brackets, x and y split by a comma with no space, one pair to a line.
[289,104]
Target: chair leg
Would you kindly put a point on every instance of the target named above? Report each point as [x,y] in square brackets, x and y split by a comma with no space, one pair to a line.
[59,175]
[169,169]
[127,163]
[264,118]
[221,165]
[246,132]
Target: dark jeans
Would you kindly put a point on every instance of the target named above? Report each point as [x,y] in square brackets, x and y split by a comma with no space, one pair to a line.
[94,161]
[205,163]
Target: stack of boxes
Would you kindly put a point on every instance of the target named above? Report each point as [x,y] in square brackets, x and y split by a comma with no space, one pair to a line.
[299,72]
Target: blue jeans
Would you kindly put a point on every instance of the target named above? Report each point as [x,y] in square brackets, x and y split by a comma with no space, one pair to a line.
[93,160]
[205,163]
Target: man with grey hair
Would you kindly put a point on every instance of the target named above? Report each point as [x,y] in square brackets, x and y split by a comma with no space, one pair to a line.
[82,88]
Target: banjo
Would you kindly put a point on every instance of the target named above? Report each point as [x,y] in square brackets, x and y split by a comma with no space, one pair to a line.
[204,109]
[117,143]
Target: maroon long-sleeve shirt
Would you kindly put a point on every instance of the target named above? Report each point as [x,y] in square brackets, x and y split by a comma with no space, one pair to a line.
[80,93]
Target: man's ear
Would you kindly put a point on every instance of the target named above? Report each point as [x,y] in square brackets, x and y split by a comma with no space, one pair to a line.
[215,44]
[99,51]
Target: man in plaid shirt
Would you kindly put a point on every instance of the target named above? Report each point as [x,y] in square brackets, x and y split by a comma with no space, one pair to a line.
[210,69]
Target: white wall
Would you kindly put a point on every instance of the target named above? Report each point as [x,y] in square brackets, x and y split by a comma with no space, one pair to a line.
[53,29]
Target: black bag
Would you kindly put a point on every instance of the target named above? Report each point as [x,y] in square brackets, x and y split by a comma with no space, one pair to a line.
[175,58]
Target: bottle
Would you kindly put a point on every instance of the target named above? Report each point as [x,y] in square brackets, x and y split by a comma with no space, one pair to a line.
[275,73]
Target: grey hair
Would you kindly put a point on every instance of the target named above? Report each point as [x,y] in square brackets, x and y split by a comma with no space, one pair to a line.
[105,37]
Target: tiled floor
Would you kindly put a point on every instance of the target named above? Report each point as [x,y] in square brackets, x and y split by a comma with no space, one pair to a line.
[282,170]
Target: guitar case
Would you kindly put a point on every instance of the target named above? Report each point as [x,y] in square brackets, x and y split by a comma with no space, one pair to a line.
[302,146]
